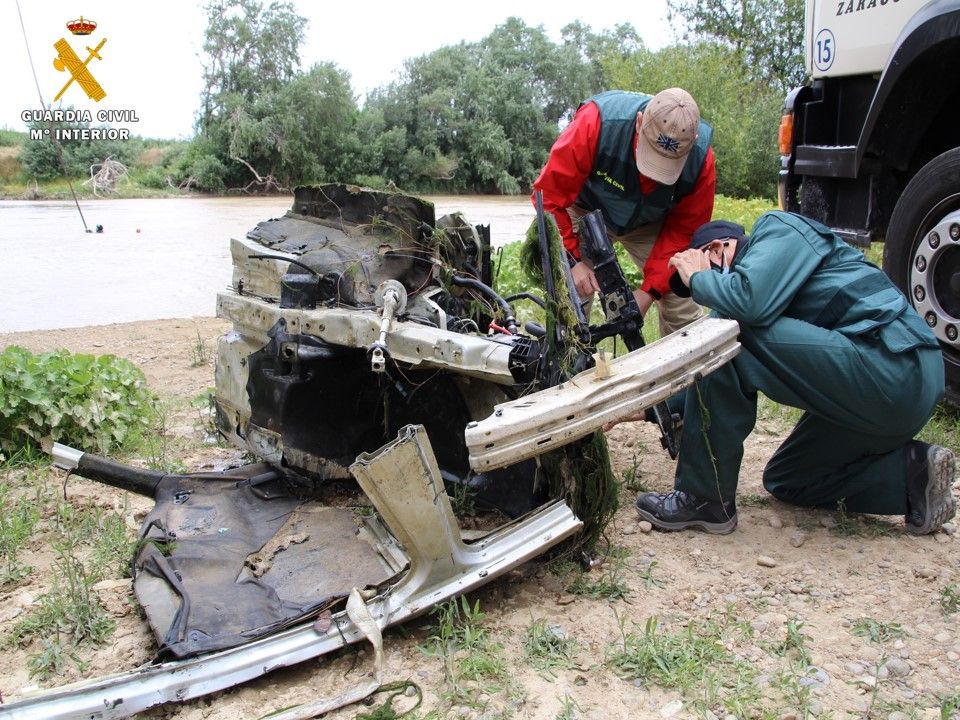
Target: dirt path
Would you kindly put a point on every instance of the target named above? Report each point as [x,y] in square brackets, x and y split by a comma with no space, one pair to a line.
[813,614]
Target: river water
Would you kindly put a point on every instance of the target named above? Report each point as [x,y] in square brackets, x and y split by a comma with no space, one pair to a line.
[158,258]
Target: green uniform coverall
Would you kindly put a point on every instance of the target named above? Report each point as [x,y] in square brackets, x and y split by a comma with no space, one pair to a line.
[825,331]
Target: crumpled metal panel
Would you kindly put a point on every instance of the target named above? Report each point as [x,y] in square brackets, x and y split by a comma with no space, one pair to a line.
[355,238]
[226,562]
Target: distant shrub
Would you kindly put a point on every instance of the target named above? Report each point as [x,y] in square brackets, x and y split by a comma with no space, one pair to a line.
[93,403]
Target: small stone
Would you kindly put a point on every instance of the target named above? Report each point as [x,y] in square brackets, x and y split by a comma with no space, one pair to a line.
[952,656]
[828,521]
[815,707]
[671,709]
[925,572]
[882,672]
[897,715]
[644,526]
[943,637]
[637,683]
[410,691]
[789,715]
[798,538]
[775,522]
[854,668]
[766,561]
[949,528]
[815,678]
[630,529]
[897,667]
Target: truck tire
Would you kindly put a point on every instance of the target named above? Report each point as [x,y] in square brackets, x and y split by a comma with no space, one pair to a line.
[922,255]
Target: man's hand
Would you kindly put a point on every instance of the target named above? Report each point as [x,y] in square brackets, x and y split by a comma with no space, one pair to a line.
[689,262]
[585,281]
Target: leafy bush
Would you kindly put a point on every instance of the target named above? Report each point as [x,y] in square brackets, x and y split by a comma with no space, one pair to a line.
[90,402]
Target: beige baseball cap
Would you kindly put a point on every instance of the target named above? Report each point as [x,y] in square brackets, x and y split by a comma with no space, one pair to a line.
[669,129]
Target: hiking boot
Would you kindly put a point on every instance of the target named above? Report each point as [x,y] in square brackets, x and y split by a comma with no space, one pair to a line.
[680,510]
[930,501]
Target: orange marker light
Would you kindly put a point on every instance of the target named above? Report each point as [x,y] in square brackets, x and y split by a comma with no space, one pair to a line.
[785,136]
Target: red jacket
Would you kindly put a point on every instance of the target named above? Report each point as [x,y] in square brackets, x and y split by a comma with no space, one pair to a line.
[567,169]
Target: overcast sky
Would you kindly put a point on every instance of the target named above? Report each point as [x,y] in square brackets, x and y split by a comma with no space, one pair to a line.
[151,61]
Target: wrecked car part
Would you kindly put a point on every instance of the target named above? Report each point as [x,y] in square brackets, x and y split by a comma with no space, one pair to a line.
[223,563]
[402,480]
[542,421]
[94,467]
[391,298]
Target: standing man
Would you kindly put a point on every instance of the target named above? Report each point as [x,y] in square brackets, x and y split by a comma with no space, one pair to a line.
[647,164]
[823,330]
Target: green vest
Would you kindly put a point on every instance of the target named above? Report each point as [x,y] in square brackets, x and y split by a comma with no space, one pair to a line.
[613,185]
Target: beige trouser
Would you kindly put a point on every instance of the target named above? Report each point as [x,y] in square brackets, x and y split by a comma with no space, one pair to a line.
[675,312]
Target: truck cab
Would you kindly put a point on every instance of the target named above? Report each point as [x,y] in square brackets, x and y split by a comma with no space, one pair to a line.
[871,146]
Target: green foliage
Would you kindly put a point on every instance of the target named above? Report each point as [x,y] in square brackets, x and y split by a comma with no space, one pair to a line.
[877,631]
[950,599]
[248,49]
[693,660]
[794,644]
[89,402]
[744,141]
[547,647]
[950,707]
[10,138]
[17,521]
[263,122]
[743,211]
[605,582]
[766,36]
[646,573]
[472,661]
[71,611]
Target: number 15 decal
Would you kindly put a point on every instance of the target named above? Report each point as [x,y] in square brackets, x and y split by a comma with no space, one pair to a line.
[824,49]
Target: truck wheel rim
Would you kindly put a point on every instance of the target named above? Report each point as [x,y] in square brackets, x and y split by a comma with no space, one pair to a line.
[935,275]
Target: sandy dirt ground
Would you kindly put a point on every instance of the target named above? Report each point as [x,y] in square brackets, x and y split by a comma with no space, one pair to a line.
[838,617]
